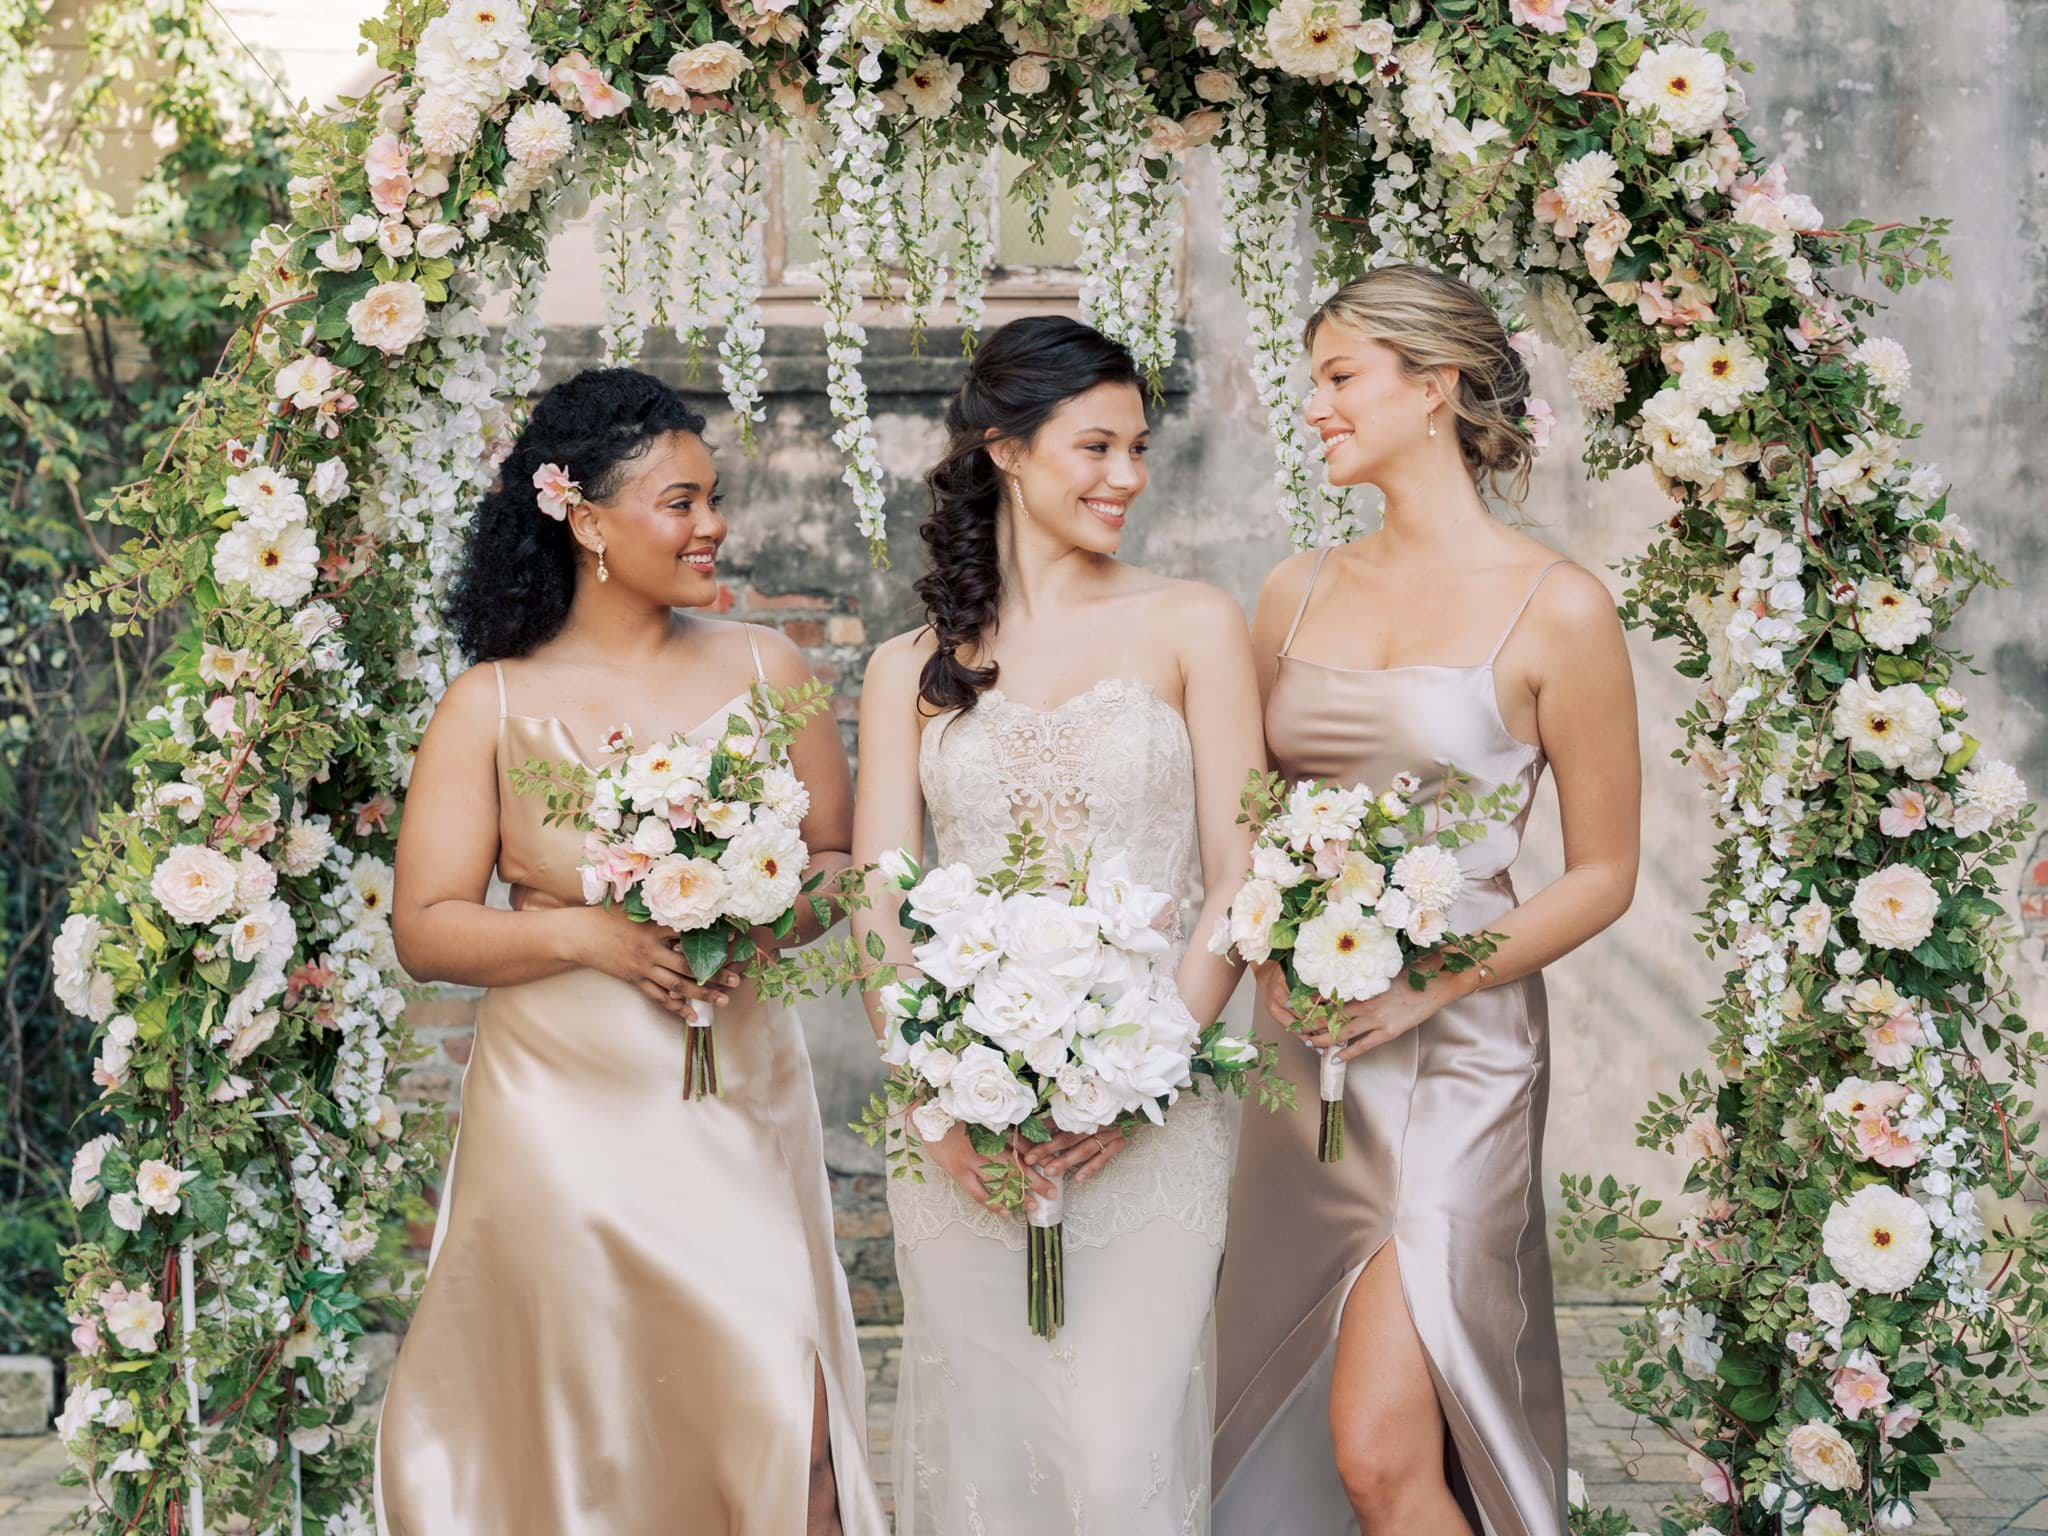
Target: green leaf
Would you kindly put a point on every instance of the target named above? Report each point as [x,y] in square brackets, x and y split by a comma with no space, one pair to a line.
[705,951]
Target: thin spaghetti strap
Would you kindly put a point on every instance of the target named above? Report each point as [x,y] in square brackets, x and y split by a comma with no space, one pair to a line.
[500,673]
[1301,611]
[1501,644]
[754,646]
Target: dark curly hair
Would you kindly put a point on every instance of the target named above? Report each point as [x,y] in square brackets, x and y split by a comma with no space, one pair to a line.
[519,568]
[1019,376]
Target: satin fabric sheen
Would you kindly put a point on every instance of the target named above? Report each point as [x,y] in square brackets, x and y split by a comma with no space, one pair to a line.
[628,1289]
[1442,1158]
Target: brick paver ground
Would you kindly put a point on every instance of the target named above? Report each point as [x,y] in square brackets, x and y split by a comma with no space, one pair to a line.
[1997,1483]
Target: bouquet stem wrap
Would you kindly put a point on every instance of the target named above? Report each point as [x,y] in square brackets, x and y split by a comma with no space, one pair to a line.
[700,1059]
[1330,1141]
[1046,1262]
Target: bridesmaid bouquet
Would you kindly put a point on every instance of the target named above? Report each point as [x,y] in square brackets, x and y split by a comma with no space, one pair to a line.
[1041,1006]
[1347,892]
[700,837]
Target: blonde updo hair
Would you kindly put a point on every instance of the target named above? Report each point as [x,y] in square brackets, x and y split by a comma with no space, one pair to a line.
[1433,323]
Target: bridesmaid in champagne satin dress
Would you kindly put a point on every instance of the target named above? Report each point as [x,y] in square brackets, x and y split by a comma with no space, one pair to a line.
[1388,1354]
[634,1322]
[1443,1146]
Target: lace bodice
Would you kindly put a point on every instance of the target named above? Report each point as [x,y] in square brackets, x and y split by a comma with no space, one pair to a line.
[1113,766]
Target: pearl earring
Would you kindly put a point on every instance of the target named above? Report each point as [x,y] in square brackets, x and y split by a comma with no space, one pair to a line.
[1431,418]
[602,573]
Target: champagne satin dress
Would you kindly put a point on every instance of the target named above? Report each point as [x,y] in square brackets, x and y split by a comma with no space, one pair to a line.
[1442,1158]
[627,1289]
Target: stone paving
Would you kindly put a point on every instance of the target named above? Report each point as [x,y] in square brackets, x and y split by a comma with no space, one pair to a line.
[1997,1483]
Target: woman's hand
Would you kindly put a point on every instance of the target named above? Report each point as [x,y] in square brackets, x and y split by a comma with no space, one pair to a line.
[1274,991]
[1389,1016]
[1071,1152]
[956,1155]
[644,954]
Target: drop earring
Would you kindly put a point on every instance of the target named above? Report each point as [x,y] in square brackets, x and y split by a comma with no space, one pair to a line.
[1017,497]
[1431,418]
[602,573]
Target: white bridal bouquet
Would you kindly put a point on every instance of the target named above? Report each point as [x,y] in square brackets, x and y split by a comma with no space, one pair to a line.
[1347,891]
[1042,1006]
[700,837]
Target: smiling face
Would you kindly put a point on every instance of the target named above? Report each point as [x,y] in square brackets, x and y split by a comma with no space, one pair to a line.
[1367,410]
[662,526]
[1082,470]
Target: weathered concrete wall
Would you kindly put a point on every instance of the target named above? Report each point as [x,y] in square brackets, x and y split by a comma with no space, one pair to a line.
[1885,112]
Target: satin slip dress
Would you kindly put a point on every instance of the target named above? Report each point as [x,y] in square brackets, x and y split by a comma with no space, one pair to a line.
[1442,1158]
[627,1289]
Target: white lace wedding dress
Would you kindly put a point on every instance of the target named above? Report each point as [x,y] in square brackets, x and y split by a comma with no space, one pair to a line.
[1104,1430]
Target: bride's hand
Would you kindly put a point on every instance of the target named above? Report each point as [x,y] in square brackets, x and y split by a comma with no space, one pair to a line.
[643,954]
[1070,1152]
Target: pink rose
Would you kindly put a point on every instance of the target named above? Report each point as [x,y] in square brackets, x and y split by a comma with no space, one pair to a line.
[390,180]
[1891,1041]
[85,1336]
[555,491]
[1900,1421]
[1860,1387]
[1541,419]
[1906,814]
[1884,1143]
[1714,1480]
[1550,210]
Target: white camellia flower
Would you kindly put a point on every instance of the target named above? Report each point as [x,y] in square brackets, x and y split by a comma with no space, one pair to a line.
[1877,1239]
[931,86]
[1719,373]
[764,871]
[1895,907]
[539,134]
[85,1170]
[1431,877]
[1312,38]
[1685,88]
[1345,954]
[1819,1455]
[984,1091]
[683,893]
[248,1035]
[194,883]
[1680,443]
[371,882]
[390,317]
[1889,618]
[278,565]
[1900,726]
[157,1185]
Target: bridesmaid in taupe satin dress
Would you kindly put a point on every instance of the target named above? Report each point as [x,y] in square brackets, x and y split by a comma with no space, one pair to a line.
[634,1322]
[1324,1414]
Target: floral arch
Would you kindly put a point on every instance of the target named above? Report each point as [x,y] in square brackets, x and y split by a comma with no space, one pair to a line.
[1834,1300]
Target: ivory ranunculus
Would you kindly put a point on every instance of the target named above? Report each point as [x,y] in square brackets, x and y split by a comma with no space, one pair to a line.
[194,884]
[1895,907]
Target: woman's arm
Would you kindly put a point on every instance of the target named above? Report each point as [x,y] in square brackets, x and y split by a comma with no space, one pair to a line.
[447,843]
[818,758]
[888,810]
[1220,701]
[1586,722]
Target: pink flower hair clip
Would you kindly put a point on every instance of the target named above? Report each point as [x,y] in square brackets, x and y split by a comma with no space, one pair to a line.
[557,492]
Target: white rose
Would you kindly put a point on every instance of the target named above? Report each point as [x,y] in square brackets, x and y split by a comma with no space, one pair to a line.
[337,257]
[985,1092]
[157,1184]
[1811,925]
[683,893]
[390,317]
[934,1063]
[1081,1103]
[654,837]
[1895,907]
[724,818]
[394,238]
[1253,912]
[898,867]
[962,946]
[438,240]
[1030,75]
[194,884]
[1044,933]
[945,889]
[85,1170]
[1819,1455]
[125,1211]
[1216,85]
[330,482]
[708,70]
[932,1120]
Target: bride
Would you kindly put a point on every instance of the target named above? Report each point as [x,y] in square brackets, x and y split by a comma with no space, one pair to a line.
[1054,683]
[633,1320]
